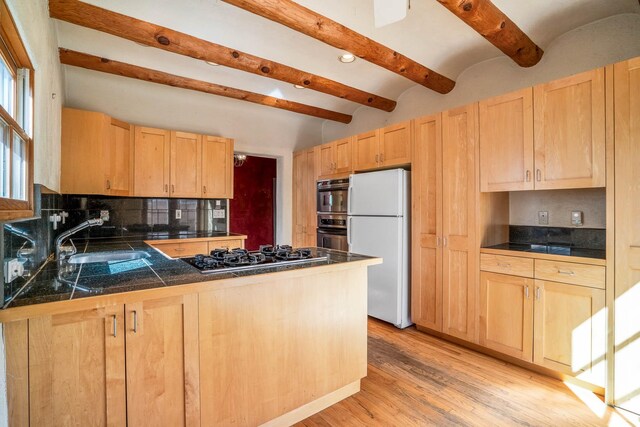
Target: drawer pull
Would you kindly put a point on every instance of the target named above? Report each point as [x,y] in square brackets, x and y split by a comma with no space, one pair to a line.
[135,322]
[115,326]
[567,272]
[526,292]
[538,294]
[178,249]
[504,264]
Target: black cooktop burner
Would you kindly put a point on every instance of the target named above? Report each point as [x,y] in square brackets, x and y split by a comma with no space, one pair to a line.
[226,259]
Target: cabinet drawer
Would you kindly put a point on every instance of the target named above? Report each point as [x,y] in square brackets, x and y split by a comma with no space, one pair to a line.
[179,250]
[569,272]
[514,266]
[225,244]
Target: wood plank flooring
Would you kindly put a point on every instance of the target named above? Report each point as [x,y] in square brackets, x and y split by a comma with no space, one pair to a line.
[415,379]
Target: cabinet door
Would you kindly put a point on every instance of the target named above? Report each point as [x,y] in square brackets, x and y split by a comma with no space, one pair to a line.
[569,330]
[506,314]
[186,164]
[366,151]
[310,180]
[506,142]
[395,145]
[82,161]
[569,131]
[327,159]
[162,362]
[118,157]
[459,192]
[217,167]
[342,154]
[426,196]
[627,234]
[152,154]
[299,198]
[77,368]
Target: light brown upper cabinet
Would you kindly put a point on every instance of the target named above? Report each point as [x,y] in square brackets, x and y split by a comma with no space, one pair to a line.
[118,155]
[506,142]
[151,164]
[548,137]
[382,148]
[186,164]
[96,154]
[335,158]
[217,167]
[443,223]
[569,126]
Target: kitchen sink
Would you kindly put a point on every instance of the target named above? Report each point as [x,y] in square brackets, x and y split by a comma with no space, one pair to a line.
[110,256]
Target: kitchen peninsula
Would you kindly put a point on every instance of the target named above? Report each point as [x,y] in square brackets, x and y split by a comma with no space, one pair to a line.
[152,341]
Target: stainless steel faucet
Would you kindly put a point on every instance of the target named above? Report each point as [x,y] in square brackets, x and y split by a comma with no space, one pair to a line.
[61,253]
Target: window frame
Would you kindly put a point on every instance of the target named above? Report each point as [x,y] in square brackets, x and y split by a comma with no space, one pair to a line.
[15,57]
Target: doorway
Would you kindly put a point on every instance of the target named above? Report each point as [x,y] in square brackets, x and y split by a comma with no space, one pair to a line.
[252,211]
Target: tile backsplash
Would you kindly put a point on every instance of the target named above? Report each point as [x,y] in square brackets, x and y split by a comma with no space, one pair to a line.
[32,240]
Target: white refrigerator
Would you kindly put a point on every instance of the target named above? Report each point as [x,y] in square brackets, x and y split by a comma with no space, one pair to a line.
[378,225]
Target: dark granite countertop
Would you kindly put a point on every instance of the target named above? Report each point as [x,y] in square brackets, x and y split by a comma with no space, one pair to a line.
[552,250]
[156,271]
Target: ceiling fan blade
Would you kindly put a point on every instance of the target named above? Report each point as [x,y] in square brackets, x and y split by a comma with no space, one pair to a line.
[387,12]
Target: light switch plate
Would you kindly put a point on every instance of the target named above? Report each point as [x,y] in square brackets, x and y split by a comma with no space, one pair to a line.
[218,213]
[543,217]
[12,269]
[576,217]
[178,213]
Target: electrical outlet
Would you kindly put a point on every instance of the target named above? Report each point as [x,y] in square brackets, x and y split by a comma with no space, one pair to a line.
[178,213]
[12,269]
[218,213]
[104,215]
[543,217]
[576,218]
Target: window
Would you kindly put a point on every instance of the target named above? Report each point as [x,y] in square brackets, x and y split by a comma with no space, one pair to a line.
[16,122]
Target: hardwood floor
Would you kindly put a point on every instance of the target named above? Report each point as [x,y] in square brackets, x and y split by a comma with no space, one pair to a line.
[415,379]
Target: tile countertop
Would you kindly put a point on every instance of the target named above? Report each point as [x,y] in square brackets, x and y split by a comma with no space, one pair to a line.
[156,271]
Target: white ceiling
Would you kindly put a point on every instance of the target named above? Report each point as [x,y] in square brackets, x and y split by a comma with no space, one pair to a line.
[430,35]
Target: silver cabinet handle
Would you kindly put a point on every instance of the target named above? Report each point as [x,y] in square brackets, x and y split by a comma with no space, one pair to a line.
[567,272]
[377,157]
[115,326]
[135,322]
[108,184]
[444,241]
[526,292]
[382,158]
[538,175]
[166,188]
[204,189]
[438,241]
[538,294]
[528,175]
[173,188]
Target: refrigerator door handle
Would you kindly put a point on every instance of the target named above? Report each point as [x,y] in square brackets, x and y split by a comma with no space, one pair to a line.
[349,192]
[349,227]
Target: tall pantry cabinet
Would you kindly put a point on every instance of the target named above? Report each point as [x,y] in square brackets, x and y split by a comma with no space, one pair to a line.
[444,216]
[627,235]
[305,174]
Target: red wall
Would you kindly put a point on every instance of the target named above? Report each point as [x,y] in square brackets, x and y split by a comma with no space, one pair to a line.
[251,209]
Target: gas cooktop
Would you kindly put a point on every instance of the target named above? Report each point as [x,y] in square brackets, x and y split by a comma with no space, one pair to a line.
[268,255]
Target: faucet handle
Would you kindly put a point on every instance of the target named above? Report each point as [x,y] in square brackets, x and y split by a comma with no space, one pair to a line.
[64,215]
[55,219]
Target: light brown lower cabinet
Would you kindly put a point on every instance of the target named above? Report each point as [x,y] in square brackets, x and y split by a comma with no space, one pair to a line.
[506,314]
[559,326]
[77,373]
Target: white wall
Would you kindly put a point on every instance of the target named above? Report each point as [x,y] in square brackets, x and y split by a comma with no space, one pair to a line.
[39,36]
[594,45]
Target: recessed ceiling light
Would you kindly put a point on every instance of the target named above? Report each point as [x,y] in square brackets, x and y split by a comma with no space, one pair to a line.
[213,64]
[347,58]
[299,87]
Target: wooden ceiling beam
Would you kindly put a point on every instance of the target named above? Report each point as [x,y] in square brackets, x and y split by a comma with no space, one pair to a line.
[306,21]
[96,63]
[484,17]
[149,34]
